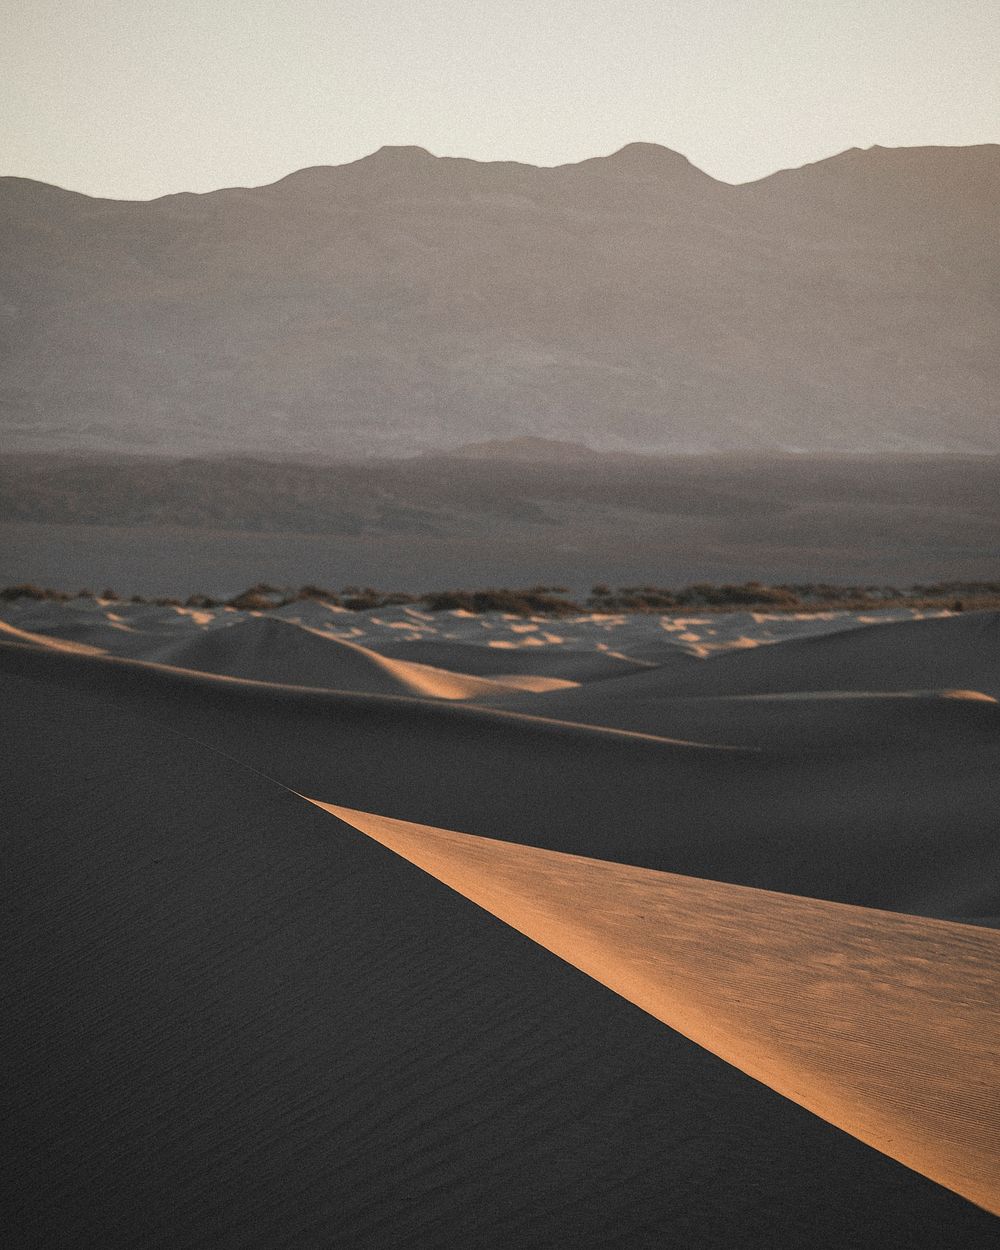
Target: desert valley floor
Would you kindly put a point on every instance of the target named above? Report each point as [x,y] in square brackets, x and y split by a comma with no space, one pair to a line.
[412,929]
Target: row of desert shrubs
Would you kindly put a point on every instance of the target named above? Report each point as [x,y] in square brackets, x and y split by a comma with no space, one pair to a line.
[802,597]
[554,601]
[538,600]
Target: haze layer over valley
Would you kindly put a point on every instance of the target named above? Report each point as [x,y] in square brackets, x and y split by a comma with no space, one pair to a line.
[406,303]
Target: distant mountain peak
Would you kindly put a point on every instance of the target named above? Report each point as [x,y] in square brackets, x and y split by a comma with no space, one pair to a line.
[648,153]
[388,159]
[406,153]
[648,160]
[527,447]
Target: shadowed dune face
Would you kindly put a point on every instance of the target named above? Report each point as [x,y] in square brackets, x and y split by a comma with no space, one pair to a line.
[233,1022]
[887,803]
[886,1025]
[237,1023]
[942,653]
[833,723]
[932,658]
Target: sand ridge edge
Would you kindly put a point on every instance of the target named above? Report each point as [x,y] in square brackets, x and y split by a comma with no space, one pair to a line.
[886,1025]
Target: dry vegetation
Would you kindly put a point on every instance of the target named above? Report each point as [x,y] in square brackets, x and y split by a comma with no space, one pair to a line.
[555,600]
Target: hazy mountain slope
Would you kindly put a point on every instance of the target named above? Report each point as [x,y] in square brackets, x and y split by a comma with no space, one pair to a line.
[406,302]
[889,503]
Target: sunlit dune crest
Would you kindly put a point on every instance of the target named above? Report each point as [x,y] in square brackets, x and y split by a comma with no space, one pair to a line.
[280,651]
[439,683]
[43,640]
[886,1025]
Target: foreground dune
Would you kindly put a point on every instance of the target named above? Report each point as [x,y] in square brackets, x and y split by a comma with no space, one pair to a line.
[234,1022]
[886,1025]
[231,1021]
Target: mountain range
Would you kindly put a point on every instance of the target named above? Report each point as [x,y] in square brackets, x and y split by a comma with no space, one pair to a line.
[408,303]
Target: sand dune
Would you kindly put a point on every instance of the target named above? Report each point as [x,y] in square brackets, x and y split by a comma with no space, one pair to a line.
[275,650]
[915,658]
[960,652]
[793,816]
[822,721]
[888,1026]
[577,648]
[231,1021]
[267,649]
[499,663]
[11,632]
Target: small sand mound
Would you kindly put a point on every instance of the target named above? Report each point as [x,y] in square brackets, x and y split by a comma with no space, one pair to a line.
[514,664]
[897,657]
[274,650]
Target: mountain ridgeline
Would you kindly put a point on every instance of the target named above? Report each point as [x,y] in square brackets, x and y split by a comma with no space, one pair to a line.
[407,303]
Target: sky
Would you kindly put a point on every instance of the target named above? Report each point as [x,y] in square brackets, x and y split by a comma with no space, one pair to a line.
[137,98]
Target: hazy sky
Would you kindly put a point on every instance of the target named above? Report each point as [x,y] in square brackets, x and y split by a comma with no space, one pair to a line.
[136,98]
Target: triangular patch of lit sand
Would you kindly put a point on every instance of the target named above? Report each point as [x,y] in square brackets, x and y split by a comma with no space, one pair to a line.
[886,1025]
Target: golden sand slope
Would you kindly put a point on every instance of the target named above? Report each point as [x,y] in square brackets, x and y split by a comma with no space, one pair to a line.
[441,683]
[884,1024]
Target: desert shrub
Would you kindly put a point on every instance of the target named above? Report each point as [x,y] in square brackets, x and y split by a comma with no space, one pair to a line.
[546,600]
[317,592]
[647,598]
[447,600]
[537,600]
[261,597]
[749,594]
[26,591]
[363,602]
[251,600]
